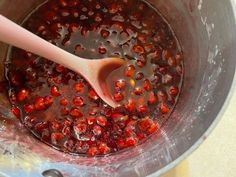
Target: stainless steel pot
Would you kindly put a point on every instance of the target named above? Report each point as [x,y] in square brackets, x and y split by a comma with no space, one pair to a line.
[206,31]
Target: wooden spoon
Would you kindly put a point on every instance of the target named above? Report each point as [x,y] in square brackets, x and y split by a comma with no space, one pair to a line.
[94,71]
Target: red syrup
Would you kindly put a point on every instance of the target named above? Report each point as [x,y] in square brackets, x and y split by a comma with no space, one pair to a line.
[62,110]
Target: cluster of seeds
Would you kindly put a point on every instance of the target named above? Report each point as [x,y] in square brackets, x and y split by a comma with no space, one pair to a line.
[61,109]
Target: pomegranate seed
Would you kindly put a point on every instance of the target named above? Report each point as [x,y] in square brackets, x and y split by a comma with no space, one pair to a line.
[56,137]
[16,79]
[93,95]
[92,151]
[29,108]
[115,115]
[118,26]
[78,101]
[102,50]
[149,47]
[84,31]
[121,143]
[164,109]
[16,111]
[79,87]
[141,101]
[39,127]
[179,57]
[98,18]
[80,129]
[103,148]
[138,91]
[48,101]
[39,104]
[98,6]
[159,37]
[22,95]
[74,112]
[63,3]
[105,34]
[73,3]
[45,136]
[141,62]
[152,98]
[138,49]
[179,69]
[140,136]
[145,123]
[67,122]
[56,80]
[141,6]
[75,13]
[94,111]
[41,28]
[64,12]
[66,131]
[107,111]
[97,130]
[152,128]
[173,91]
[121,119]
[90,13]
[147,85]
[142,109]
[114,8]
[118,97]
[131,141]
[84,9]
[56,126]
[64,102]
[162,96]
[50,16]
[142,38]
[64,111]
[55,91]
[131,105]
[171,61]
[60,68]
[79,48]
[102,120]
[155,56]
[91,120]
[167,78]
[166,54]
[139,76]
[66,42]
[69,144]
[120,84]
[129,130]
[129,71]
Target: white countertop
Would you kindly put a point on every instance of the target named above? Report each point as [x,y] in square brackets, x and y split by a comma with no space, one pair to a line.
[216,157]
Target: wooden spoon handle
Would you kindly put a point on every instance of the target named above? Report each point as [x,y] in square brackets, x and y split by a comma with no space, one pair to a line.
[17,36]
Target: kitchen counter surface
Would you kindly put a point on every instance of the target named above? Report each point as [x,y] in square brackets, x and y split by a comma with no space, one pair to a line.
[216,157]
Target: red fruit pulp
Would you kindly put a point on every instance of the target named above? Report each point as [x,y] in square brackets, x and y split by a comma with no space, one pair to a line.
[60,107]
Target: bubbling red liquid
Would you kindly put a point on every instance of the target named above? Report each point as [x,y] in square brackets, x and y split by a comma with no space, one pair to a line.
[62,110]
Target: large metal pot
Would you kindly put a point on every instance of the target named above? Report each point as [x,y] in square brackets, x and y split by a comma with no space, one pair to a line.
[206,31]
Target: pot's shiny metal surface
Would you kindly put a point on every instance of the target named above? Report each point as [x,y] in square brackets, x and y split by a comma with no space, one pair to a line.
[207,33]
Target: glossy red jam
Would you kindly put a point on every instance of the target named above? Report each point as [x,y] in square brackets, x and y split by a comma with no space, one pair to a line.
[62,110]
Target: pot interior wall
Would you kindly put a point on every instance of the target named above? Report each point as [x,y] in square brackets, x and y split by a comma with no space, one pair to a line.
[206,31]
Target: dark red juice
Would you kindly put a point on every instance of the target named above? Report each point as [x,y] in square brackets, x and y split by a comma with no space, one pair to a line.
[62,110]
